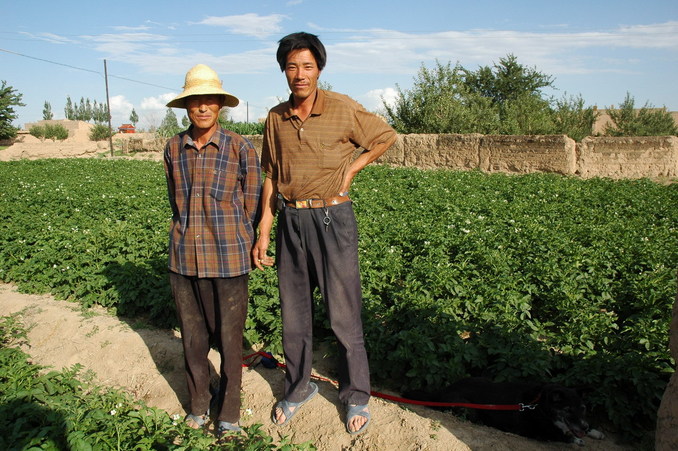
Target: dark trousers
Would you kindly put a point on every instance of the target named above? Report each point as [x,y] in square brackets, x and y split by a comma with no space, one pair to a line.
[212,310]
[310,254]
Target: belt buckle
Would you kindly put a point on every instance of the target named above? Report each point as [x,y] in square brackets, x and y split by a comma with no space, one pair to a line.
[301,203]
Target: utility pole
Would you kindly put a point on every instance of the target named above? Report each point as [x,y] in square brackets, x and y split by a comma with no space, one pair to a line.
[108,107]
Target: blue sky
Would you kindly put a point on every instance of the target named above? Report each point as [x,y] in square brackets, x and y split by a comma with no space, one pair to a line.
[599,49]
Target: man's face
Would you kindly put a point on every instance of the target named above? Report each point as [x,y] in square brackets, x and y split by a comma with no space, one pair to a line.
[302,73]
[203,110]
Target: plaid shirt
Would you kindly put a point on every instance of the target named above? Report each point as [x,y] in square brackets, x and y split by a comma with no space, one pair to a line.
[214,194]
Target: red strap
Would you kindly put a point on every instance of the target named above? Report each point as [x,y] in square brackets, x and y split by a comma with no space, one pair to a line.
[519,407]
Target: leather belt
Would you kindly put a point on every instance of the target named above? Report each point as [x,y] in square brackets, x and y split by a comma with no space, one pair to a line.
[317,203]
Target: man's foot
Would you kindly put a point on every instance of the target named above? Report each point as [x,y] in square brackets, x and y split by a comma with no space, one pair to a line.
[196,421]
[357,418]
[285,410]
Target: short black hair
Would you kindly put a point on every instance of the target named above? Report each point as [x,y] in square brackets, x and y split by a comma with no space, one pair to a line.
[301,40]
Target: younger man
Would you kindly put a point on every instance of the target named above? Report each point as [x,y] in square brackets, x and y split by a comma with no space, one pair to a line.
[308,148]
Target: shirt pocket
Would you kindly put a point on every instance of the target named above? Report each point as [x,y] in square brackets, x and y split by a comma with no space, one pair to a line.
[331,153]
[224,179]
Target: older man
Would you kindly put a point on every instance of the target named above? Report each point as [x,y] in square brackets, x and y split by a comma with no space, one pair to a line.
[308,149]
[214,182]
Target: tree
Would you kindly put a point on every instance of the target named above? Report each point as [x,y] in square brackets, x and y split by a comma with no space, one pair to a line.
[89,111]
[9,99]
[99,113]
[526,114]
[185,122]
[47,112]
[516,91]
[440,102]
[69,109]
[507,81]
[572,118]
[506,98]
[81,111]
[170,125]
[133,117]
[646,121]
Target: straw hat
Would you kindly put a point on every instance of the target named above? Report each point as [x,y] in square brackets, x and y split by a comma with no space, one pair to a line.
[200,80]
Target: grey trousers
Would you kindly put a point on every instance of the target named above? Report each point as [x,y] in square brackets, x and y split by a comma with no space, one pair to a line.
[319,248]
[212,310]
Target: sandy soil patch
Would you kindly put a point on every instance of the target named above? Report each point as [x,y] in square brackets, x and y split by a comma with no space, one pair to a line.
[148,363]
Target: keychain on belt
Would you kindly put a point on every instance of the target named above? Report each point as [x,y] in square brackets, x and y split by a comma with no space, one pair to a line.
[327,219]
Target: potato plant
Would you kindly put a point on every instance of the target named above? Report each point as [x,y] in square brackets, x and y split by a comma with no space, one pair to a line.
[536,276]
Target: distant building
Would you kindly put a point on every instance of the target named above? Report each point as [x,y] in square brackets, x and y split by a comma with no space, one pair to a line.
[126,128]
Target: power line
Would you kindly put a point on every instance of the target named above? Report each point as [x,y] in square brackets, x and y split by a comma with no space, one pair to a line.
[48,61]
[84,70]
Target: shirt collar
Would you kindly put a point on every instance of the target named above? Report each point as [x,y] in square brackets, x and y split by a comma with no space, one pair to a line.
[318,105]
[215,139]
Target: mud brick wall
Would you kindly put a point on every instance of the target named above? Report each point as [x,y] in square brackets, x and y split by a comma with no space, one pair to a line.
[631,157]
[628,157]
[525,154]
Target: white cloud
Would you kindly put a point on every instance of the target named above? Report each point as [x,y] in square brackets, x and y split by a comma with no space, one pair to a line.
[389,51]
[49,37]
[127,28]
[121,108]
[152,110]
[249,24]
[374,99]
[157,103]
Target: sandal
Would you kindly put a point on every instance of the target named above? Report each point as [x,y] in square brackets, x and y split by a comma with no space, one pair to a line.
[354,411]
[196,421]
[225,426]
[285,406]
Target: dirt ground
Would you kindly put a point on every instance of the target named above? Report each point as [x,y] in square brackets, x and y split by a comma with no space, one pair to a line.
[77,145]
[148,363]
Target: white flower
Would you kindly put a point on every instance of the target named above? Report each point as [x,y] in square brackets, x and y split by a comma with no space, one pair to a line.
[113,412]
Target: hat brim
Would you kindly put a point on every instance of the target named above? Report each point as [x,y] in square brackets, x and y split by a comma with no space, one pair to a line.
[180,101]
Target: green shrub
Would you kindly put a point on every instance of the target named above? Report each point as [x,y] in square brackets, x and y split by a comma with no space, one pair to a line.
[100,132]
[243,128]
[646,121]
[49,131]
[38,131]
[55,131]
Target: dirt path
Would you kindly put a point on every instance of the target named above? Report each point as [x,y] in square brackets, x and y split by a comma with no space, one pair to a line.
[148,363]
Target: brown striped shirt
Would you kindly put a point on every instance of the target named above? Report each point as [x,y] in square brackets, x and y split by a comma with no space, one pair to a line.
[309,159]
[214,194]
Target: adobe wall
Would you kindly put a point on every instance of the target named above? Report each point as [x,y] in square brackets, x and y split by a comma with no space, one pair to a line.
[630,157]
[525,154]
[613,157]
[75,128]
